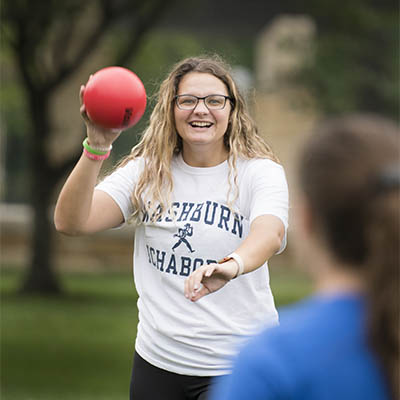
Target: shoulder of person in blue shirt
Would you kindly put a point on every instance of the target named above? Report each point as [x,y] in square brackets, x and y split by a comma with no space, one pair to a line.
[318,352]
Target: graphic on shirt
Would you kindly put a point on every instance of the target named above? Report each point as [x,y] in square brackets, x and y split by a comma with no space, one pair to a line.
[182,233]
[191,216]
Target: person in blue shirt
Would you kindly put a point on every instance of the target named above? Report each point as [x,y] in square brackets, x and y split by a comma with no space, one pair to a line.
[342,343]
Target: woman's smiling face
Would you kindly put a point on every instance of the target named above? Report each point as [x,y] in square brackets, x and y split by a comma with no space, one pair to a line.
[200,126]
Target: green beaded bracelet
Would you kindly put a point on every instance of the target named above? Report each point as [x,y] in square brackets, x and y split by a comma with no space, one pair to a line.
[97,152]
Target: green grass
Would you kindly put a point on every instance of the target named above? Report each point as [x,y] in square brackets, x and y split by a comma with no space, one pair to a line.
[289,285]
[80,346]
[75,347]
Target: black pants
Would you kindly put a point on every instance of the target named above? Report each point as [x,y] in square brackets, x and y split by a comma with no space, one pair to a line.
[151,383]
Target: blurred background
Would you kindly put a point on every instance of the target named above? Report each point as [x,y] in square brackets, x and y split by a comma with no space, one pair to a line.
[68,305]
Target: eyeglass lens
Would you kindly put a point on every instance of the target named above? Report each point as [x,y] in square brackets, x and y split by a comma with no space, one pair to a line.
[214,102]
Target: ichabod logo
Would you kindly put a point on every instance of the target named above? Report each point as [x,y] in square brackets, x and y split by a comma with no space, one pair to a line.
[182,233]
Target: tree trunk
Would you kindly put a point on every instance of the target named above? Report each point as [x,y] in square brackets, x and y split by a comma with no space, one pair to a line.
[41,277]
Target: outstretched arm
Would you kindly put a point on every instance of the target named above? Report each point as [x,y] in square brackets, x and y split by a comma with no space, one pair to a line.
[264,240]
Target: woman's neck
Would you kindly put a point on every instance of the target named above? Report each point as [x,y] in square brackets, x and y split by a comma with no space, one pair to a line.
[339,279]
[202,157]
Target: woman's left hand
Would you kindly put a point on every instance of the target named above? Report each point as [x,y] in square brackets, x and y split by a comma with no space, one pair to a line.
[209,278]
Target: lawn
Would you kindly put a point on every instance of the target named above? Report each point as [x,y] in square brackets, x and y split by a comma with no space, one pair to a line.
[79,346]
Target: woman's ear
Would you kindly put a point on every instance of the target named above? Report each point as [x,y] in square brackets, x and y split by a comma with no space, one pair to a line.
[305,217]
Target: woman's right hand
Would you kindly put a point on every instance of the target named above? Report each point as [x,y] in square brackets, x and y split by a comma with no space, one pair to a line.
[98,137]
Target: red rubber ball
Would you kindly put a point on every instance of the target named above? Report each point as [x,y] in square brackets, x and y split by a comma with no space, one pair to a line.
[115,98]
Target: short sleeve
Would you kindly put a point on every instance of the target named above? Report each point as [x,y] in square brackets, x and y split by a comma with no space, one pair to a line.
[120,185]
[268,192]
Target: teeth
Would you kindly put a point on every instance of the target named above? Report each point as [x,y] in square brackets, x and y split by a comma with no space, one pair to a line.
[201,124]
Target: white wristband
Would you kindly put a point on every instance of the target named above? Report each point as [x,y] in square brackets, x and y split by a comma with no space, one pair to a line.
[109,148]
[239,262]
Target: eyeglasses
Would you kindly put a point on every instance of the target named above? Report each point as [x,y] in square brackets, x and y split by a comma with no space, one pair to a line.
[212,101]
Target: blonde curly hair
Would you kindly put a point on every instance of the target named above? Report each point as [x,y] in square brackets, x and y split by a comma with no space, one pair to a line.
[160,142]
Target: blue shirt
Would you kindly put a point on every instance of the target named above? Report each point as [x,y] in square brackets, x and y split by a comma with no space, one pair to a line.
[319,352]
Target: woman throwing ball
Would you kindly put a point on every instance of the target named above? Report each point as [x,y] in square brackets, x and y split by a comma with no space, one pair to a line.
[343,342]
[210,203]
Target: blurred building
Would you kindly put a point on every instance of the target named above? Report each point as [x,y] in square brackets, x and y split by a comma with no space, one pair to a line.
[284,109]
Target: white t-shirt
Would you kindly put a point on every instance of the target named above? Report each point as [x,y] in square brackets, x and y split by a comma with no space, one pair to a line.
[200,338]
